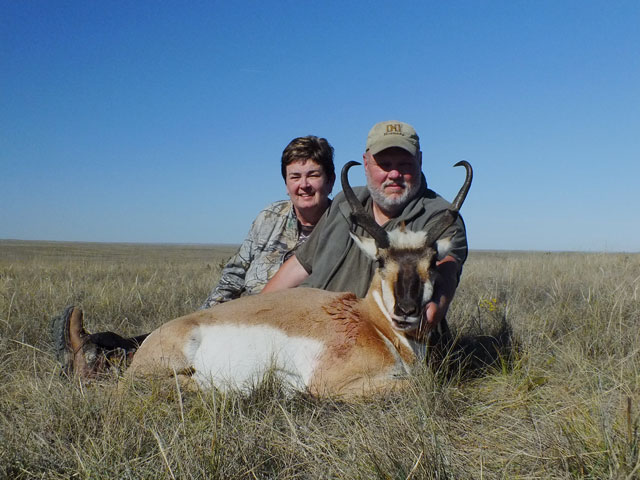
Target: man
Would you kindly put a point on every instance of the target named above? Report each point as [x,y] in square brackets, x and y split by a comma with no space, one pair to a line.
[396,194]
[308,172]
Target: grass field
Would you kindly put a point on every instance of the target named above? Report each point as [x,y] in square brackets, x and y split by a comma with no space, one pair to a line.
[566,404]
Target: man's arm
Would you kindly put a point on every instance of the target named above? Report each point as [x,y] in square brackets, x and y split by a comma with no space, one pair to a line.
[445,289]
[289,275]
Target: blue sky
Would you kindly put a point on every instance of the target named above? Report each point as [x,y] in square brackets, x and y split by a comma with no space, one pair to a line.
[165,121]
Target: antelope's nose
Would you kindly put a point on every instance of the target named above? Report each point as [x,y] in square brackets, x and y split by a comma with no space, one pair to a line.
[406,309]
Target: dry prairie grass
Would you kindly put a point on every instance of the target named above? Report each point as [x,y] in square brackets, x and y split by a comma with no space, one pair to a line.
[564,405]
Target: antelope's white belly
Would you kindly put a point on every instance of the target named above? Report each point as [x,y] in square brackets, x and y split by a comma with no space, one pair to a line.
[238,356]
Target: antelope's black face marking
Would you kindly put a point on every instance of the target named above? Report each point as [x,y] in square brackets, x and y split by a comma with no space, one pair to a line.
[408,288]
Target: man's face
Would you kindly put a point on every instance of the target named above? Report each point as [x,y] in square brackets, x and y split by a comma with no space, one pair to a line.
[307,185]
[393,177]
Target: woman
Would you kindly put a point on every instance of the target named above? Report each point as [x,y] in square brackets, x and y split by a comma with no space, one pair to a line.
[309,174]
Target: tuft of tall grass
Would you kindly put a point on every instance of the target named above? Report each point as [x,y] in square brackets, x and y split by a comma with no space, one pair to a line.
[562,400]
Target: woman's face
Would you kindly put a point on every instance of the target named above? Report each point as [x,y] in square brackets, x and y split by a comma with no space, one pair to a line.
[308,186]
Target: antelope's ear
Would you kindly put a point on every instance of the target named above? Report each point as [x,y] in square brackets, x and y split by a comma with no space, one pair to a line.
[367,245]
[444,247]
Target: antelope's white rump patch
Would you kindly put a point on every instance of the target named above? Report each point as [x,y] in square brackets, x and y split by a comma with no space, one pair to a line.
[238,356]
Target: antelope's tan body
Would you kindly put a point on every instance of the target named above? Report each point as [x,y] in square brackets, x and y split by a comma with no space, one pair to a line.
[355,351]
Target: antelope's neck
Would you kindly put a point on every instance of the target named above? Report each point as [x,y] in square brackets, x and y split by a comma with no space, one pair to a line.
[409,349]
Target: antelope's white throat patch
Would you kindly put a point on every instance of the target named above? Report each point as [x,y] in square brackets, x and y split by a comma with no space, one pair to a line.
[427,292]
[387,314]
[238,356]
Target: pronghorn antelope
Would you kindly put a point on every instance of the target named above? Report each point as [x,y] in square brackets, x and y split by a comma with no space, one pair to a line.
[327,343]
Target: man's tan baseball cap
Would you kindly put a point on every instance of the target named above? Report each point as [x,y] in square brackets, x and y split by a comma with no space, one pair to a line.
[392,134]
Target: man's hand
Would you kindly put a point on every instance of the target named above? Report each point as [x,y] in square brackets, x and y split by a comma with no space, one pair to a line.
[443,293]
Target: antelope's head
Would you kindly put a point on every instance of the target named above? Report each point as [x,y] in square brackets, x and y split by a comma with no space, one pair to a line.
[406,260]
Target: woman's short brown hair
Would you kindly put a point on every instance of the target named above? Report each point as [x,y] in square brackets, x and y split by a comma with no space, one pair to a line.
[309,148]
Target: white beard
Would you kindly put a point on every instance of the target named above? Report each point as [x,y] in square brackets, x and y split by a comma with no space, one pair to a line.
[392,204]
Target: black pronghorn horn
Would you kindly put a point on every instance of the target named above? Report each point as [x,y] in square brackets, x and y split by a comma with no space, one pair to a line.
[450,215]
[358,214]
